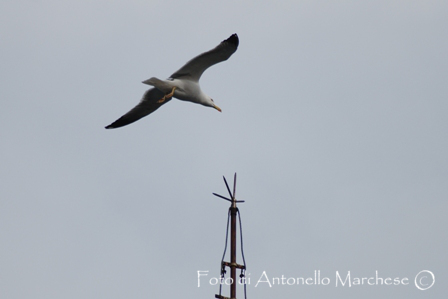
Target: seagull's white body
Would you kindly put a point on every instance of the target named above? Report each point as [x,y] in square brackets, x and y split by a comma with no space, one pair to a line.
[183,84]
[186,90]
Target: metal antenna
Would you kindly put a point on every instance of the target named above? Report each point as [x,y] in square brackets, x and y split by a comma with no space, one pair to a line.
[233,211]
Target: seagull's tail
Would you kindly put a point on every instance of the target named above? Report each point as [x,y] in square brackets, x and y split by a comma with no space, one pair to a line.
[153,81]
[159,84]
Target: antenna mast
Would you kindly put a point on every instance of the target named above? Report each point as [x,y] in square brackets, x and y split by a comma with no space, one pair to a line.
[233,212]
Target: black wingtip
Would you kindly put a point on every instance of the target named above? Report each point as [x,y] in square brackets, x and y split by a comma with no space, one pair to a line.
[115,124]
[233,39]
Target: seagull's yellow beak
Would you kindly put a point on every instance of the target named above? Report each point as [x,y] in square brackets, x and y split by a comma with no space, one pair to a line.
[217,108]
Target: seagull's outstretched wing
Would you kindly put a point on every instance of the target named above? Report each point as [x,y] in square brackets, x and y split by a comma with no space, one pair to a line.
[196,66]
[148,104]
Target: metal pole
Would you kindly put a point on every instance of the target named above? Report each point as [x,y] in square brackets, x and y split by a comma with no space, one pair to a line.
[233,211]
[233,264]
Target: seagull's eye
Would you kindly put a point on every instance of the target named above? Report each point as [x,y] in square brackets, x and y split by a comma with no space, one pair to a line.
[212,100]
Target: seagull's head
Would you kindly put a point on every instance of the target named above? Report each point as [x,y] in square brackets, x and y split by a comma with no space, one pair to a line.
[208,101]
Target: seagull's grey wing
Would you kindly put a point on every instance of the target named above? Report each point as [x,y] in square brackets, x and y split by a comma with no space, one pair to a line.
[196,66]
[148,104]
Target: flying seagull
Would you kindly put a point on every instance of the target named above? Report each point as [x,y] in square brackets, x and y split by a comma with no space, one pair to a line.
[183,84]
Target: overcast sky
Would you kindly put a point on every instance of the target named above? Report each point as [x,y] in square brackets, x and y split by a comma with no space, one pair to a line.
[334,116]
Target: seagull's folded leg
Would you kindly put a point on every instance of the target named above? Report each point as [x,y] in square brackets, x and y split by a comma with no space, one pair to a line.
[167,96]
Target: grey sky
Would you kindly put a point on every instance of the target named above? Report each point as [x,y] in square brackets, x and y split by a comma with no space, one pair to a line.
[334,117]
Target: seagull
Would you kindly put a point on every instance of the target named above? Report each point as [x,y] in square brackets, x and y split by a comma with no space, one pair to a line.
[182,85]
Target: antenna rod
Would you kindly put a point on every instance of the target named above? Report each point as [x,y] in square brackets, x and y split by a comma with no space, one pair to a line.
[233,211]
[233,264]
